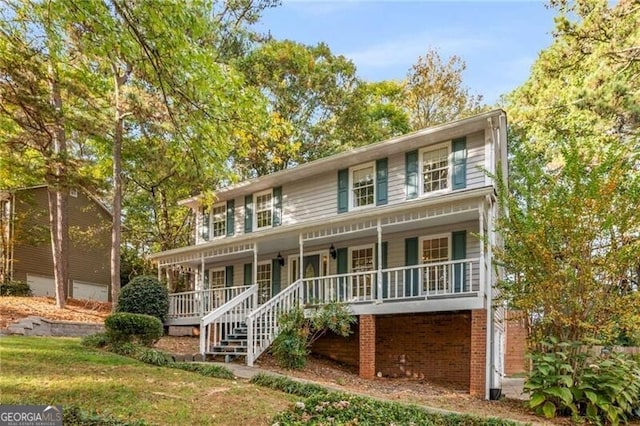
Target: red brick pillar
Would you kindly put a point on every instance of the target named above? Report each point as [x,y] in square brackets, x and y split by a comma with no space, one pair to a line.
[367,330]
[478,353]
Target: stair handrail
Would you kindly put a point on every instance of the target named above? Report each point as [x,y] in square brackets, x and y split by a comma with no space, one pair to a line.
[250,295]
[268,313]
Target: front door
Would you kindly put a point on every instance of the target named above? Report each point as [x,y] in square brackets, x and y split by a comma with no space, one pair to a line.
[311,266]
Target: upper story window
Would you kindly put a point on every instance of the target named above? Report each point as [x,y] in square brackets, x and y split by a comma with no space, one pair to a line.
[264,210]
[219,220]
[435,169]
[363,185]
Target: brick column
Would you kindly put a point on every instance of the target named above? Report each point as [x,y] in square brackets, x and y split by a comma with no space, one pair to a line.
[367,330]
[478,359]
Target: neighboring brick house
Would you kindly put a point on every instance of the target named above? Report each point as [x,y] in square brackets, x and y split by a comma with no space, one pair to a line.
[25,249]
[400,230]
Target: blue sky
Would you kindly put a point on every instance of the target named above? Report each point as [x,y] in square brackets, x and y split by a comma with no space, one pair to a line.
[498,40]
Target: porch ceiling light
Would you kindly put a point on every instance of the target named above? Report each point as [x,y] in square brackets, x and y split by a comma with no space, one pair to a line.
[333,252]
[280,259]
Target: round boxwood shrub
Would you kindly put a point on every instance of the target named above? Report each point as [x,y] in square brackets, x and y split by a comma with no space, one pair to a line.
[144,295]
[124,327]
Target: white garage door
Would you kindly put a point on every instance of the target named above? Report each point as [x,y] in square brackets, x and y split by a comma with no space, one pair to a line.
[41,286]
[90,291]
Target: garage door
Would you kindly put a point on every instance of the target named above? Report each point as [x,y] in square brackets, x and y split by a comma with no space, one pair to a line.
[90,291]
[41,286]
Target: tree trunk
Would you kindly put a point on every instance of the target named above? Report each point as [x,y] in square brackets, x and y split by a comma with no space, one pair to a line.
[58,197]
[116,226]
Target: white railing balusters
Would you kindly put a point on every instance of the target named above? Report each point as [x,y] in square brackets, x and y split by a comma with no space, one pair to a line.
[200,302]
[219,323]
[262,323]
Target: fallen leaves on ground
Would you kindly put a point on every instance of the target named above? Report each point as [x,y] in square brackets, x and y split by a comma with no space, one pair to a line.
[13,309]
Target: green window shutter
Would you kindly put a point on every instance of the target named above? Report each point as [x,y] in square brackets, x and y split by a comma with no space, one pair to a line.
[459,252]
[204,224]
[411,277]
[459,153]
[277,207]
[228,276]
[231,211]
[411,165]
[381,182]
[248,213]
[248,272]
[343,190]
[276,274]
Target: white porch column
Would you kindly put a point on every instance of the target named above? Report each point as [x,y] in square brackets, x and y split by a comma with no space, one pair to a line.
[255,263]
[379,292]
[301,269]
[202,272]
[159,272]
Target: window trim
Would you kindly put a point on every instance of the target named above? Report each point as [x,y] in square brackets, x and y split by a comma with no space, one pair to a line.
[421,153]
[355,168]
[211,222]
[220,269]
[255,209]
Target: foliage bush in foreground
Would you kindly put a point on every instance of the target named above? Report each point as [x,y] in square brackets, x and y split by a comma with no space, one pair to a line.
[297,333]
[124,327]
[567,380]
[327,407]
[207,370]
[72,415]
[154,356]
[15,288]
[144,295]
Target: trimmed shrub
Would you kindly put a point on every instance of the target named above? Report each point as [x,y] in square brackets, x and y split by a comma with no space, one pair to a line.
[123,327]
[208,370]
[153,357]
[15,288]
[97,340]
[144,295]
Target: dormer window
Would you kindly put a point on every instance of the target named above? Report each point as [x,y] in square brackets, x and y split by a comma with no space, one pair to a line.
[363,186]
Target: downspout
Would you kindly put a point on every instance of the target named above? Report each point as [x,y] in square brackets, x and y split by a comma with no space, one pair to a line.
[379,274]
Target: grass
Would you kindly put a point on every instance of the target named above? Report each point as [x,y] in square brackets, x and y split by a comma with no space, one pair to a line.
[39,370]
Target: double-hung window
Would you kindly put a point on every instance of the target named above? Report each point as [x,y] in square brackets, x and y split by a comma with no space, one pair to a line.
[435,278]
[435,168]
[264,210]
[217,278]
[362,191]
[219,220]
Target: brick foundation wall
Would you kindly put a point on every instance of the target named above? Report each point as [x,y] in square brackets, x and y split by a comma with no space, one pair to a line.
[432,346]
[478,352]
[516,345]
[344,350]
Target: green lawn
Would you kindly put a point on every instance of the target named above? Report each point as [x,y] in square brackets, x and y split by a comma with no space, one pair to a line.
[40,370]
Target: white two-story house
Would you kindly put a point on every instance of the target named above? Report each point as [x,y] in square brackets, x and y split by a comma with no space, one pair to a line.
[400,230]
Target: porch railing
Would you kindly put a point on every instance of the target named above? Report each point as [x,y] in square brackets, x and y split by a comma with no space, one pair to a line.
[200,302]
[262,323]
[431,280]
[218,324]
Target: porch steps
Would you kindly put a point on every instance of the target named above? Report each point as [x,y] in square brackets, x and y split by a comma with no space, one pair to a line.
[235,344]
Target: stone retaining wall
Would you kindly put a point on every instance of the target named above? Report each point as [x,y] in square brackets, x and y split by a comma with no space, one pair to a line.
[36,326]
